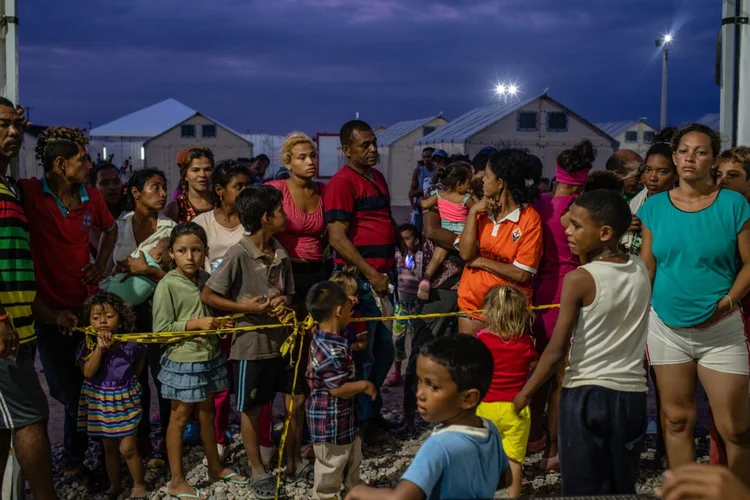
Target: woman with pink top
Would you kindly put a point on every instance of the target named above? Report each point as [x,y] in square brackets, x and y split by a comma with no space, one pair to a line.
[573,166]
[304,241]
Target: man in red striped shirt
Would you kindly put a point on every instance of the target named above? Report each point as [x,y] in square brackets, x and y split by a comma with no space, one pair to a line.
[361,230]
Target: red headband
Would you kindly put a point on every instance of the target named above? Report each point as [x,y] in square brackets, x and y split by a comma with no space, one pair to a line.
[571,178]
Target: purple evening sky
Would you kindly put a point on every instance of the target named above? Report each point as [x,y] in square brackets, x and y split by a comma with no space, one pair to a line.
[280,65]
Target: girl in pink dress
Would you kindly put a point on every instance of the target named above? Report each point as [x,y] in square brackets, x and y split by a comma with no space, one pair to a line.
[573,166]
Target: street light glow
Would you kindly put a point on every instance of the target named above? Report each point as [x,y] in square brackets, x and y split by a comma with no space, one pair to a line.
[500,88]
[668,38]
[512,89]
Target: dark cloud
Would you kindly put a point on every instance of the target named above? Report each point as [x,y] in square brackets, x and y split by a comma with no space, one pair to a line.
[278,65]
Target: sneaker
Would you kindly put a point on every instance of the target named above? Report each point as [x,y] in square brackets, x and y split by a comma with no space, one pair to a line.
[394,379]
[266,454]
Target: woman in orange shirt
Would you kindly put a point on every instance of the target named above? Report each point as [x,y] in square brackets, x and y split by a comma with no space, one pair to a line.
[502,240]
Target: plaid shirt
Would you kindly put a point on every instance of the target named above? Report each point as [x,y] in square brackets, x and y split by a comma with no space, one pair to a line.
[331,420]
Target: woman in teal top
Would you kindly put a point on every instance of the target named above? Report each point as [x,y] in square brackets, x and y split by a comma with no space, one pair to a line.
[696,245]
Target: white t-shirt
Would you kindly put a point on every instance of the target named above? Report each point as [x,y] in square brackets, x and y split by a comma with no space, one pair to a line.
[220,239]
[126,244]
[609,341]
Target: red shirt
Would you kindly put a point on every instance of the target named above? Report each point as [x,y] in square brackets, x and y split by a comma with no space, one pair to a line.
[513,359]
[365,205]
[60,241]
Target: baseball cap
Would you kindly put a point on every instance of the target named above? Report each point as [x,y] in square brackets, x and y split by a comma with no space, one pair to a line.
[440,153]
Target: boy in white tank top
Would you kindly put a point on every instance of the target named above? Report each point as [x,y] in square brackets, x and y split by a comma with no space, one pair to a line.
[604,318]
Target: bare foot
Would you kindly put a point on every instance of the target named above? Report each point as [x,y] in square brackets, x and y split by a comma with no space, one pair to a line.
[139,492]
[184,488]
[221,475]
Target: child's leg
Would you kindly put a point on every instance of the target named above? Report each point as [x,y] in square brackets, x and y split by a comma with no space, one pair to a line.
[112,460]
[129,451]
[352,465]
[438,257]
[294,434]
[178,420]
[216,469]
[516,470]
[249,428]
[221,399]
[330,463]
[256,383]
[552,414]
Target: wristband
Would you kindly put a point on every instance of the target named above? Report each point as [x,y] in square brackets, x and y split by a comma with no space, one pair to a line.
[731,302]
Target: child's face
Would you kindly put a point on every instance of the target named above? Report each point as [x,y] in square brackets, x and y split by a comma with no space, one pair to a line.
[276,220]
[188,254]
[410,240]
[104,318]
[463,187]
[234,187]
[438,397]
[733,176]
[585,235]
[346,312]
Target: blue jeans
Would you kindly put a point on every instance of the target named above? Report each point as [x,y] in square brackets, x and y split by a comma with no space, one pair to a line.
[57,353]
[375,362]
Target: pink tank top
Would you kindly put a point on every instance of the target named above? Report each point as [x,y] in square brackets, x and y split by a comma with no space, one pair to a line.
[303,236]
[453,212]
[557,259]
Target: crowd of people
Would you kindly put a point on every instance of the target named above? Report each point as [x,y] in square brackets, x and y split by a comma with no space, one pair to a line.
[564,303]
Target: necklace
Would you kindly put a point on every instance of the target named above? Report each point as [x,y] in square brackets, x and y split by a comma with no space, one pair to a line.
[609,254]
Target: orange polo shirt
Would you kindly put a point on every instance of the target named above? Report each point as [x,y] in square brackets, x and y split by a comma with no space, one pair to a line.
[515,239]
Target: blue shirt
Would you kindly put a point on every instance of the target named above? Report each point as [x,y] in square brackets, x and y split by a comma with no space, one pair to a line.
[696,255]
[459,462]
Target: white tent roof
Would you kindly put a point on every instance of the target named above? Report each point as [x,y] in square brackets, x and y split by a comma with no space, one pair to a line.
[147,122]
[400,129]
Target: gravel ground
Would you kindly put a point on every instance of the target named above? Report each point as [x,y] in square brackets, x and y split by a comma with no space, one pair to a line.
[382,465]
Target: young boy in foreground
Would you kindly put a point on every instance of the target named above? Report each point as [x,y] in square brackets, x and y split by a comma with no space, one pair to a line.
[604,309]
[463,458]
[331,408]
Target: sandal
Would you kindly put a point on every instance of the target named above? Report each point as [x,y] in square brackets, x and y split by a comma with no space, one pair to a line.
[264,488]
[306,471]
[197,495]
[229,478]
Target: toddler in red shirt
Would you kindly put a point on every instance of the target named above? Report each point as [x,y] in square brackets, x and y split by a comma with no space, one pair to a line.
[507,337]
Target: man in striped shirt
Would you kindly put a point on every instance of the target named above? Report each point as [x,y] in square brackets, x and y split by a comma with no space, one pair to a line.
[23,404]
[358,212]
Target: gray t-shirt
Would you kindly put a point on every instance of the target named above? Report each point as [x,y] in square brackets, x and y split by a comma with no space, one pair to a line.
[245,271]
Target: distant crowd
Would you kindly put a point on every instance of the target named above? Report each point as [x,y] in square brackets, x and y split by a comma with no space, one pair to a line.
[557,300]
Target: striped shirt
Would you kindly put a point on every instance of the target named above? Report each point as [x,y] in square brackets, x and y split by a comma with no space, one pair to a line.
[366,205]
[17,284]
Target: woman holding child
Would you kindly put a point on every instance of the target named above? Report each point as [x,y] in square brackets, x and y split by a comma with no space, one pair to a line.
[502,240]
[140,252]
[696,244]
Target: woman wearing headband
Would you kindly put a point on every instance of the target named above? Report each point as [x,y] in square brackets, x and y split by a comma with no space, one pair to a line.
[196,164]
[573,166]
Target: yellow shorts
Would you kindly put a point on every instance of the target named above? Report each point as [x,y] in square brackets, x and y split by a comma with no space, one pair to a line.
[514,428]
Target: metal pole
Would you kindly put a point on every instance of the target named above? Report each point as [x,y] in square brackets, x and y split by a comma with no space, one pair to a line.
[665,60]
[735,73]
[743,75]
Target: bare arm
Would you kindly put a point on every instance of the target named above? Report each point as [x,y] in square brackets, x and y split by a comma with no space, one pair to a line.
[507,271]
[91,365]
[337,233]
[415,189]
[106,246]
[467,246]
[404,490]
[742,283]
[576,285]
[255,305]
[350,389]
[436,233]
[647,254]
[428,203]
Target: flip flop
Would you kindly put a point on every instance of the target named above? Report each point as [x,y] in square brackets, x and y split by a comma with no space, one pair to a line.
[228,478]
[197,495]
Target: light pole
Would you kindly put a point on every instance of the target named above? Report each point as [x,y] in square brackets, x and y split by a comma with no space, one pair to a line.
[664,43]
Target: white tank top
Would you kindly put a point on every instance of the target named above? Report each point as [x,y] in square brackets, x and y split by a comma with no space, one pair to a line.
[609,341]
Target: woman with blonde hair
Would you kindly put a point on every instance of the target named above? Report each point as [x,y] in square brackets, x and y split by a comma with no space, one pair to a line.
[303,239]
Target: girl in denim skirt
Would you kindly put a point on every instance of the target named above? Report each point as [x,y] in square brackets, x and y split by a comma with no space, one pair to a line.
[194,369]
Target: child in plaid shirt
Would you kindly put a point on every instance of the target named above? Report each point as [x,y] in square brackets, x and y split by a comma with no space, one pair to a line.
[331,409]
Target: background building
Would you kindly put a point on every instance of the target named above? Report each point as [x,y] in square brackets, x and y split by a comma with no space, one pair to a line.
[636,135]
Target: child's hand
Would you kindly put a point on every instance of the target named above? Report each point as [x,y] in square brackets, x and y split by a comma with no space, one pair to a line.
[199,340]
[208,323]
[370,389]
[256,305]
[520,402]
[227,323]
[102,341]
[361,343]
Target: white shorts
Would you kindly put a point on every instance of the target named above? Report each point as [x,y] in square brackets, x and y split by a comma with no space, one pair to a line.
[721,347]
